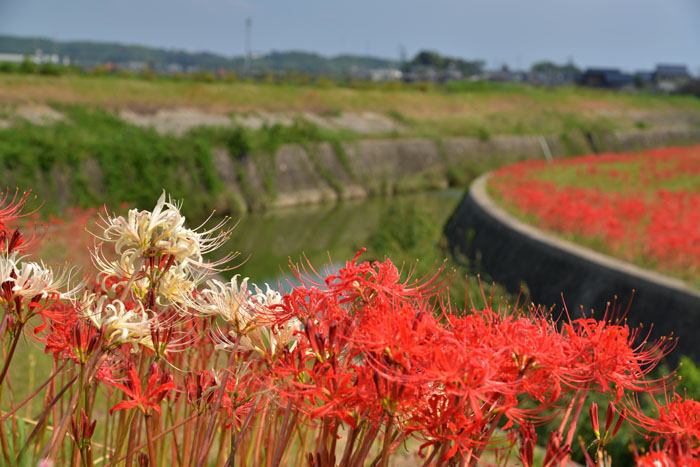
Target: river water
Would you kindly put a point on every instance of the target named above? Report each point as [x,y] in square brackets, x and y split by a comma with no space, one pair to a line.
[267,241]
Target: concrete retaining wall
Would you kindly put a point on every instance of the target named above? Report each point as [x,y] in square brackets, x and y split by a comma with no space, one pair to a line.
[318,173]
[326,172]
[514,253]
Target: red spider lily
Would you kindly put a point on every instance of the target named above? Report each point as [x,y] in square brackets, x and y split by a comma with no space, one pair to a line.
[369,347]
[524,352]
[661,459]
[605,355]
[528,441]
[371,350]
[200,389]
[322,389]
[237,399]
[340,369]
[11,241]
[676,430]
[610,430]
[11,208]
[639,218]
[159,384]
[557,450]
[77,341]
[83,429]
[366,281]
[51,311]
[593,412]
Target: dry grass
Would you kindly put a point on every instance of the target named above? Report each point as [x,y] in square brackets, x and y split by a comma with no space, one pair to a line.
[475,110]
[143,95]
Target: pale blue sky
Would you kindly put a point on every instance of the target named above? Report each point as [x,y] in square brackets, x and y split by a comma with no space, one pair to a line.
[631,34]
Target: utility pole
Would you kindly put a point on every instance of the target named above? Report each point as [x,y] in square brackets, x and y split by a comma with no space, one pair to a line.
[403,58]
[248,53]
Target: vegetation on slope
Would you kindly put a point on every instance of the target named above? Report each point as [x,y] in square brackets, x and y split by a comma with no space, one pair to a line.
[642,207]
[456,109]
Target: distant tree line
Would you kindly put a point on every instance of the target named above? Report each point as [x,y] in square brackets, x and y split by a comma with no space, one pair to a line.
[547,67]
[91,54]
[427,68]
[427,58]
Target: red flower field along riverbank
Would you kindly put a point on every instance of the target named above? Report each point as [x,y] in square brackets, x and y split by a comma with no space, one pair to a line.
[157,361]
[643,207]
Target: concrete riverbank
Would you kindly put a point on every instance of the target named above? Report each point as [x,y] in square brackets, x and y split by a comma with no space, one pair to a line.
[323,172]
[515,253]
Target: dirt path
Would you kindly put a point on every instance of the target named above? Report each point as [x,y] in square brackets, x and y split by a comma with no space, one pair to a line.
[179,120]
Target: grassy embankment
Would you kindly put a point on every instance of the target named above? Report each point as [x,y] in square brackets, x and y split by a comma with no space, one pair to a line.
[136,163]
[641,207]
[456,109]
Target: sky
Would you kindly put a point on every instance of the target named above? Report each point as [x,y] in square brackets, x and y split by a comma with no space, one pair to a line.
[629,34]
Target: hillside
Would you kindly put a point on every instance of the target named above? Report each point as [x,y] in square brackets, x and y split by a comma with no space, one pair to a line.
[244,146]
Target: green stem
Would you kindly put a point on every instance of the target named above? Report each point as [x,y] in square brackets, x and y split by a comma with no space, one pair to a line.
[10,354]
[149,438]
[158,436]
[130,447]
[3,374]
[387,442]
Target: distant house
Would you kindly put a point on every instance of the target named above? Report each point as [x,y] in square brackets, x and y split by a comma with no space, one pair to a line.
[452,73]
[644,79]
[504,75]
[38,57]
[14,58]
[670,78]
[610,78]
[135,66]
[174,68]
[550,79]
[385,74]
[433,74]
[421,73]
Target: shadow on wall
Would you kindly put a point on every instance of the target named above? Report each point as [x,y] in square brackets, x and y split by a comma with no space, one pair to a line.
[512,257]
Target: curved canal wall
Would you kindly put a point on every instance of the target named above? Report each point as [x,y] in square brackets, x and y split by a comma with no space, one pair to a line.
[515,253]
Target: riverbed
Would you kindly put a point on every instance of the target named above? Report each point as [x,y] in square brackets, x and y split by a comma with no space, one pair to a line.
[268,241]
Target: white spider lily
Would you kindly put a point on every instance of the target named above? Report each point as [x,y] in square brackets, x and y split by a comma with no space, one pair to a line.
[173,286]
[35,279]
[120,324]
[230,301]
[122,267]
[8,266]
[267,340]
[248,315]
[267,299]
[29,279]
[162,232]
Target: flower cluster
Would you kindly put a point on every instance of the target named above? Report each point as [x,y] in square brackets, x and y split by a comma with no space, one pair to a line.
[380,351]
[168,363]
[639,205]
